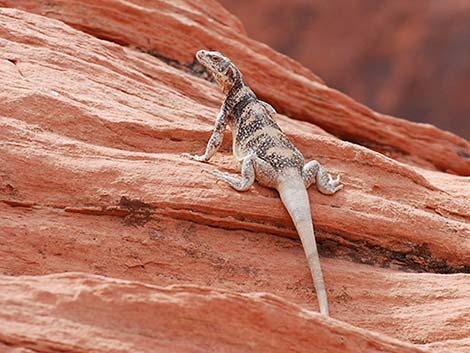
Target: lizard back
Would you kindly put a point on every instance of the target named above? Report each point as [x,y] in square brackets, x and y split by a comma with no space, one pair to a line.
[254,131]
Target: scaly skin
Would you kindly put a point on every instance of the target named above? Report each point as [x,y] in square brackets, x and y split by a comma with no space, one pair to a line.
[266,154]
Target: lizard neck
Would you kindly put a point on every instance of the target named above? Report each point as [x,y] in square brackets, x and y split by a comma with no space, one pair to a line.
[237,93]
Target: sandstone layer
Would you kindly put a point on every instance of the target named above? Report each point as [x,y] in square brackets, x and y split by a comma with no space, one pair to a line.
[175,30]
[407,58]
[56,309]
[92,182]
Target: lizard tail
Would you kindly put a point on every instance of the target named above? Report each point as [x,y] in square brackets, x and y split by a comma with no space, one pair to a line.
[294,196]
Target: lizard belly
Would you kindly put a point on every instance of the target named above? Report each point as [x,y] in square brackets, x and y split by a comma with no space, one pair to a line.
[238,153]
[236,150]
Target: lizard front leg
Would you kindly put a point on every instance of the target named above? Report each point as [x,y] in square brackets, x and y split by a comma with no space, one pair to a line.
[247,178]
[314,172]
[215,140]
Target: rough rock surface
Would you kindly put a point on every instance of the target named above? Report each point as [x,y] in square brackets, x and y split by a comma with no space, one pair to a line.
[58,311]
[175,30]
[407,58]
[92,182]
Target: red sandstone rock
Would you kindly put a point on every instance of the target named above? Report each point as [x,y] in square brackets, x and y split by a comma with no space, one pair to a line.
[407,58]
[176,31]
[91,180]
[58,311]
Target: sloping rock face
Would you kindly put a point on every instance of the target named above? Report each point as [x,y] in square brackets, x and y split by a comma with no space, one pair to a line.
[175,30]
[407,58]
[92,182]
[169,319]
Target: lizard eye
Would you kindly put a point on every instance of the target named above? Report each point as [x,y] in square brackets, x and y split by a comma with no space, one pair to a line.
[215,59]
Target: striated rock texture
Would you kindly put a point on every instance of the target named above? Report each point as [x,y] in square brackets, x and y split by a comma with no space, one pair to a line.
[55,309]
[157,26]
[92,182]
[407,58]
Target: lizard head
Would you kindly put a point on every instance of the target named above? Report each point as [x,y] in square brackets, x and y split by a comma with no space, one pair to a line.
[224,71]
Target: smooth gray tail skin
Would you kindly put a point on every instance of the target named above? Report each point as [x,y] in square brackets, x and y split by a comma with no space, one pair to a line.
[295,198]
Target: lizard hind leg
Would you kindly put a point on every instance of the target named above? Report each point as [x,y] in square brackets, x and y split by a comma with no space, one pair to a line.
[247,178]
[313,172]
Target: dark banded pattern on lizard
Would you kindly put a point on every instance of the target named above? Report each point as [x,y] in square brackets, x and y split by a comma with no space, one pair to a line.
[266,154]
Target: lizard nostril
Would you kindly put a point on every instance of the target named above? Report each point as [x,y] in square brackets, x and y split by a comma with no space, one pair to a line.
[200,54]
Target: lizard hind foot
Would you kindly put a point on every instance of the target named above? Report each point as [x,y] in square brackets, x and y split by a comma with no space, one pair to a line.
[314,173]
[242,183]
[239,184]
[330,187]
[220,175]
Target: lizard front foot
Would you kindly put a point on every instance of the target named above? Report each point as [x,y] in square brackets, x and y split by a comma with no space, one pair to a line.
[194,157]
